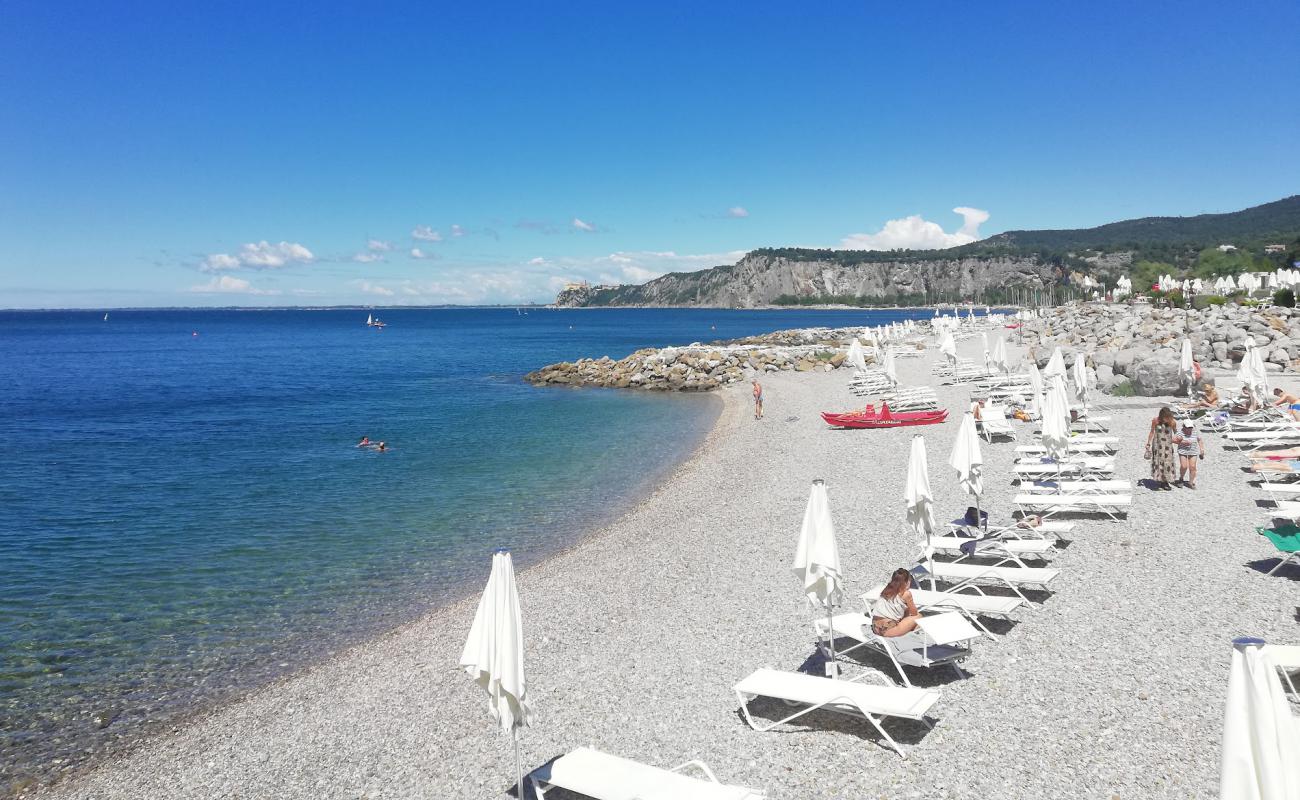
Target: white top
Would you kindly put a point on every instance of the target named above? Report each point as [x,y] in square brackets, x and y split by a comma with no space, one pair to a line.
[889,608]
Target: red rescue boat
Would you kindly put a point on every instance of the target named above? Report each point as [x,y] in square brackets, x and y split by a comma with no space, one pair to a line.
[885,419]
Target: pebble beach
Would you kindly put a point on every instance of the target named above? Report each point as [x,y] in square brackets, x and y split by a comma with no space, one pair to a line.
[1111,686]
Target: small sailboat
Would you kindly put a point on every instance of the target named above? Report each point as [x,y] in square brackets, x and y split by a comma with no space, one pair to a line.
[370,320]
[106,316]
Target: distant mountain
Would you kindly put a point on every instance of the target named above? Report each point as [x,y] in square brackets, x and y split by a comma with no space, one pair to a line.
[998,269]
[1278,222]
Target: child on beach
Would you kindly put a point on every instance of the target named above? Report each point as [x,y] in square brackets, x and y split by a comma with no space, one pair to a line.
[758,399]
[1190,450]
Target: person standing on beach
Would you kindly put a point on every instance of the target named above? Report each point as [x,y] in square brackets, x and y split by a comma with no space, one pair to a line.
[1160,449]
[758,399]
[1190,450]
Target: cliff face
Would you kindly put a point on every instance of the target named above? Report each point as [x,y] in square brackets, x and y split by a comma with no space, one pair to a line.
[758,279]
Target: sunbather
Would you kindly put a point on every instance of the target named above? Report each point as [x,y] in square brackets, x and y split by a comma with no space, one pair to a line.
[895,614]
[1209,399]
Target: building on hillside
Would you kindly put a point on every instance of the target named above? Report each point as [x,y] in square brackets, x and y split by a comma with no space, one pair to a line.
[1274,248]
[1227,248]
[574,286]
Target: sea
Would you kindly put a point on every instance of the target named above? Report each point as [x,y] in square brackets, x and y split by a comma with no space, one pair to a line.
[185,513]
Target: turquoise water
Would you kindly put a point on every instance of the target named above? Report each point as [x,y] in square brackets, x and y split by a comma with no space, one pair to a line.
[186,514]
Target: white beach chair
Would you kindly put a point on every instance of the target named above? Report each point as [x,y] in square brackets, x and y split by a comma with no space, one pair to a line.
[600,775]
[993,423]
[871,703]
[1111,486]
[1079,469]
[1082,447]
[1286,657]
[991,546]
[939,640]
[1112,505]
[973,605]
[1047,528]
[965,574]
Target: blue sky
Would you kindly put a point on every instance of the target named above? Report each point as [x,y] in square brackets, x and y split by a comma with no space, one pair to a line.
[267,154]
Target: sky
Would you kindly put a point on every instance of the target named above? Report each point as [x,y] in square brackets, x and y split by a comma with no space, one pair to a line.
[265,153]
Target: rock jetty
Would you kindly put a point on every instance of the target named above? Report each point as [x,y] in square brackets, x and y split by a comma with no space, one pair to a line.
[1141,343]
[702,367]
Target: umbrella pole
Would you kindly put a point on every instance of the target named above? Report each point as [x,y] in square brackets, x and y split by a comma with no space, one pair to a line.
[830,640]
[519,764]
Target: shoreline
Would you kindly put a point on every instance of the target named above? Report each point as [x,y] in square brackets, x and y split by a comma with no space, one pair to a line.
[449,599]
[635,635]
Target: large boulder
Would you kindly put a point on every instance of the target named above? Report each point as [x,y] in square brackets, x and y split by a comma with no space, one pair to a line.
[1125,359]
[1158,376]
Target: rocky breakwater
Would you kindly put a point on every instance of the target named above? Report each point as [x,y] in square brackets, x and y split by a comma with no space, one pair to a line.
[1141,343]
[701,367]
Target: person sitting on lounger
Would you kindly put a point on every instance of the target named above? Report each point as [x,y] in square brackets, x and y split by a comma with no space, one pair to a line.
[894,613]
[1209,399]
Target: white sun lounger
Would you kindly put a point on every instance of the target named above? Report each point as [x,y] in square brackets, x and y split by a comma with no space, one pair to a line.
[1114,486]
[1040,531]
[972,605]
[1082,469]
[1290,489]
[871,703]
[994,422]
[964,574]
[939,640]
[1112,505]
[1289,509]
[1286,657]
[991,546]
[600,775]
[1074,448]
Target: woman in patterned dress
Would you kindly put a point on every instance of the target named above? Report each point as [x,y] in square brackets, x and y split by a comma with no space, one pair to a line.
[1160,449]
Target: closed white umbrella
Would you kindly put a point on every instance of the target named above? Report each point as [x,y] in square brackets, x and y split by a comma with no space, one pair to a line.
[968,461]
[891,371]
[1055,365]
[855,357]
[948,345]
[1056,421]
[1000,355]
[1186,365]
[817,557]
[988,358]
[1036,383]
[919,498]
[1261,738]
[494,653]
[1081,388]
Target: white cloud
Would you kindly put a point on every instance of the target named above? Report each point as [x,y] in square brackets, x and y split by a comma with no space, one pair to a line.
[424,233]
[586,227]
[917,233]
[374,288]
[737,212]
[539,279]
[378,245]
[367,258]
[457,231]
[259,255]
[229,284]
[423,254]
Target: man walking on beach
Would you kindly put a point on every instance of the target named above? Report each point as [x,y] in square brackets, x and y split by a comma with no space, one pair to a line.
[758,399]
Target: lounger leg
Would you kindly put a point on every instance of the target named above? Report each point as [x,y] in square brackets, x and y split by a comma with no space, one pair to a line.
[538,791]
[888,738]
[1283,562]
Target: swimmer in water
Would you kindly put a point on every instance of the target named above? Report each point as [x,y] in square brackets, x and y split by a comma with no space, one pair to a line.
[365,442]
[381,447]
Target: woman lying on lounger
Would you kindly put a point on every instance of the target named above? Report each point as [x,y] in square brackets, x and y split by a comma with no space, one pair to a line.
[894,614]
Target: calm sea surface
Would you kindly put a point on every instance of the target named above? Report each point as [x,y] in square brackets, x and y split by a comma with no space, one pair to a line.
[184,513]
